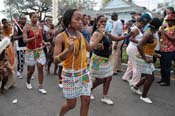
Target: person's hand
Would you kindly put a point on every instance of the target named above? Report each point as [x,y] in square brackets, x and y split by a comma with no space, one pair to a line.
[149,60]
[36,34]
[162,32]
[157,55]
[99,46]
[101,29]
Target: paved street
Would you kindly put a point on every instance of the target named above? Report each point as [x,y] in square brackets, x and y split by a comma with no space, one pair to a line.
[32,103]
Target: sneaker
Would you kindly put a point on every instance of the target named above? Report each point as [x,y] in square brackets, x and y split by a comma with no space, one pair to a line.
[107,101]
[43,91]
[146,100]
[125,80]
[32,77]
[135,90]
[115,73]
[28,85]
[19,76]
[92,97]
[60,85]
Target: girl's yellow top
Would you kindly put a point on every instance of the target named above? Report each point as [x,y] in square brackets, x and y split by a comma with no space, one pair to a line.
[77,59]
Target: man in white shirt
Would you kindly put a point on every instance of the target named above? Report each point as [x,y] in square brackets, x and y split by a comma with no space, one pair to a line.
[117,29]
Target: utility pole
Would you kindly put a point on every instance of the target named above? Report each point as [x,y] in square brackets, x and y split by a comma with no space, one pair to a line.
[55,11]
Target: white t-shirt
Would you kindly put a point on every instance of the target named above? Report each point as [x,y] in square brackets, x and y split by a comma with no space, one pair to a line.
[117,28]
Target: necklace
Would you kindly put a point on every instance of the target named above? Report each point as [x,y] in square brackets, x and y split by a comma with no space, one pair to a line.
[76,49]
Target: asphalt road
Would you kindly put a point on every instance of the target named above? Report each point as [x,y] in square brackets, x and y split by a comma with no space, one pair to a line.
[126,103]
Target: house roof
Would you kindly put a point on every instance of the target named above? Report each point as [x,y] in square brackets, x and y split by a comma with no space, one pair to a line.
[116,4]
[122,6]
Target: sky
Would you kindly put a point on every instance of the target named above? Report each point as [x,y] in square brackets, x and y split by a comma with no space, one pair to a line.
[150,4]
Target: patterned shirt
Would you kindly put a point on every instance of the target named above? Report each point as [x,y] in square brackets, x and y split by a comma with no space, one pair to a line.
[167,45]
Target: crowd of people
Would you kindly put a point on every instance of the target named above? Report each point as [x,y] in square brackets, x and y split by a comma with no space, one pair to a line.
[87,53]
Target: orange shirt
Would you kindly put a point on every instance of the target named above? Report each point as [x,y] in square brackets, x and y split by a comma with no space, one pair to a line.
[76,60]
[6,32]
[149,48]
[9,50]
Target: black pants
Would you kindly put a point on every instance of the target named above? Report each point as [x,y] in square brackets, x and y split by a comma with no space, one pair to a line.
[165,65]
[21,60]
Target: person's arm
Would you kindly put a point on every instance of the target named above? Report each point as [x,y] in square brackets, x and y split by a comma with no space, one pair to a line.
[25,37]
[145,38]
[115,37]
[95,39]
[59,54]
[157,55]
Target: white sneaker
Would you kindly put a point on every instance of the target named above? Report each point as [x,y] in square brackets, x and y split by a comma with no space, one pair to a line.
[43,91]
[92,97]
[28,85]
[125,80]
[32,77]
[107,101]
[60,85]
[19,76]
[146,100]
[137,91]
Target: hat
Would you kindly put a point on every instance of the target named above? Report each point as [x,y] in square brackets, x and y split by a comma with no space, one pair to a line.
[146,16]
[170,17]
[114,14]
[170,8]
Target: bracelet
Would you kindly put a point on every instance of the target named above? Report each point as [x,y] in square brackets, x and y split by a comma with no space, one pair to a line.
[59,59]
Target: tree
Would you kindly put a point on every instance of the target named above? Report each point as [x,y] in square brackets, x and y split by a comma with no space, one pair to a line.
[42,7]
[63,5]
[104,2]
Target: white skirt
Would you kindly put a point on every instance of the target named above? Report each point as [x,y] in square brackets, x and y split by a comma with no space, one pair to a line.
[144,67]
[100,67]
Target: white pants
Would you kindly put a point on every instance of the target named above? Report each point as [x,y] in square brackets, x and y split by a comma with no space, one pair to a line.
[131,71]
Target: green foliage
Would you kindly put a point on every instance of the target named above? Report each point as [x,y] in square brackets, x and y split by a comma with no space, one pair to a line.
[27,6]
[104,2]
[43,7]
[63,5]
